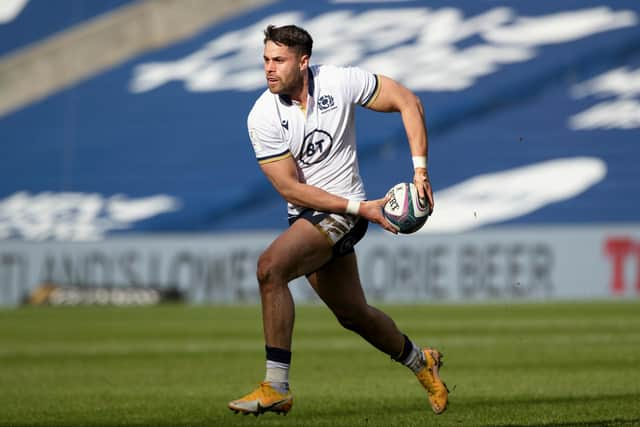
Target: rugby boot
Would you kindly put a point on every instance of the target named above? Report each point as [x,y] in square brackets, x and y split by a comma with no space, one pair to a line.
[263,399]
[429,377]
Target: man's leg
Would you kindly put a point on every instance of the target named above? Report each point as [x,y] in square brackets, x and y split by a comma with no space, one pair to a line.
[338,285]
[300,250]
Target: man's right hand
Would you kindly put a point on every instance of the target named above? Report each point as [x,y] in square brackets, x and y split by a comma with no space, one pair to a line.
[372,211]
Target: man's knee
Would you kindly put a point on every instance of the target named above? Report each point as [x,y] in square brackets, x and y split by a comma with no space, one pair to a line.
[269,271]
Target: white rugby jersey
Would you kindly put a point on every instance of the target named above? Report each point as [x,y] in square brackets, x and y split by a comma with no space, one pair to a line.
[322,139]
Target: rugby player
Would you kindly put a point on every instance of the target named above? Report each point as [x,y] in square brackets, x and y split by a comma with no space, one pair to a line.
[302,130]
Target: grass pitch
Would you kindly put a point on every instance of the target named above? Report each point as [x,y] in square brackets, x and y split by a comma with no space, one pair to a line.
[568,364]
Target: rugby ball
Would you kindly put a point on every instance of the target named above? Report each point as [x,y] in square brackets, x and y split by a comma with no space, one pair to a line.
[404,209]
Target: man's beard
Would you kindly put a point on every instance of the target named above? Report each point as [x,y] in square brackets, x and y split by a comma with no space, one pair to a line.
[286,89]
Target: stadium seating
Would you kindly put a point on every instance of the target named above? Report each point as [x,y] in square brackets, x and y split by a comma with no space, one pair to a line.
[533,110]
[25,22]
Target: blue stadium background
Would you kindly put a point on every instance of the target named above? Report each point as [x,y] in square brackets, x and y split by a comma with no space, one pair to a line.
[99,136]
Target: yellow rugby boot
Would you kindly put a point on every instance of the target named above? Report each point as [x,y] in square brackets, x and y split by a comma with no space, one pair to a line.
[429,377]
[264,398]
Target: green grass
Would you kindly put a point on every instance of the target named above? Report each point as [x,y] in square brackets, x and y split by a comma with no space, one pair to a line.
[569,364]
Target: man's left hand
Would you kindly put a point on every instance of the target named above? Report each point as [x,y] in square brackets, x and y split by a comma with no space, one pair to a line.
[423,186]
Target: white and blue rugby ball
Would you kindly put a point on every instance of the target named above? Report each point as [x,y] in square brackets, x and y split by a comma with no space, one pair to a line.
[404,209]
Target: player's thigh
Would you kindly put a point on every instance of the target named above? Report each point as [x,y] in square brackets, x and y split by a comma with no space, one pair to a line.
[299,250]
[338,284]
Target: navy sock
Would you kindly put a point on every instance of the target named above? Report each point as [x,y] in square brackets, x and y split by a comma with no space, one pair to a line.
[279,355]
[406,350]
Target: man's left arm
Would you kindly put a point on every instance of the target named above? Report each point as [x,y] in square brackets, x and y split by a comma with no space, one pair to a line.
[394,97]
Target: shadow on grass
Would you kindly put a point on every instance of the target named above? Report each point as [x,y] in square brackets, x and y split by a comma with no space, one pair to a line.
[369,411]
[523,402]
[617,397]
[616,422]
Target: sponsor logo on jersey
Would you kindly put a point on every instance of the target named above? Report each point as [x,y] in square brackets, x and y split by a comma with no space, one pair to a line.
[254,141]
[315,147]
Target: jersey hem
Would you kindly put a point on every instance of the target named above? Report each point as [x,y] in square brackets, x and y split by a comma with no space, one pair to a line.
[376,91]
[274,158]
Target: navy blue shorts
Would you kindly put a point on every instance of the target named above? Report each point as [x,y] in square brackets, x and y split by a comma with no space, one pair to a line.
[342,231]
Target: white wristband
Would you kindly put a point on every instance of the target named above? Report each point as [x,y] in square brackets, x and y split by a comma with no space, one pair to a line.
[419,162]
[353,207]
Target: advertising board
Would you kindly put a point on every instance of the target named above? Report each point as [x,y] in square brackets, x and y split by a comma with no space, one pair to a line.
[523,263]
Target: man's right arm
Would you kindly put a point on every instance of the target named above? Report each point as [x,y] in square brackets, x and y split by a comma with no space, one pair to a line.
[283,176]
[280,168]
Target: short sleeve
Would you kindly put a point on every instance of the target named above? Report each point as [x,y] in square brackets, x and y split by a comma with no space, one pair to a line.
[361,87]
[268,143]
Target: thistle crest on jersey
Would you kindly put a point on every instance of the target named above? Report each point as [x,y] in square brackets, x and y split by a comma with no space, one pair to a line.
[325,102]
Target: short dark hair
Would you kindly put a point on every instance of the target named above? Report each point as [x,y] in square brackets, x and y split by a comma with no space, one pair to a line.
[291,36]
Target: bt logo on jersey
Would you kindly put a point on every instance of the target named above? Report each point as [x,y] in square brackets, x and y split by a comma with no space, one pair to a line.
[316,147]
